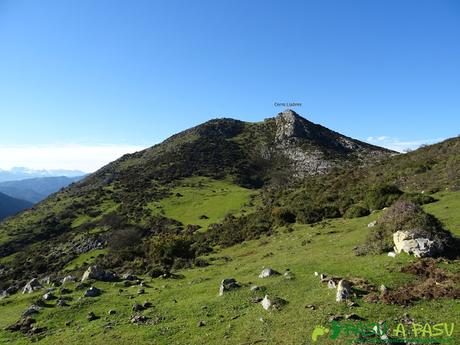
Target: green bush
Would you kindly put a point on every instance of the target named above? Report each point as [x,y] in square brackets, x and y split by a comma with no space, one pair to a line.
[356,211]
[403,216]
[380,196]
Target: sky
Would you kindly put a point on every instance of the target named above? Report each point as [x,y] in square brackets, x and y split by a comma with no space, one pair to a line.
[84,81]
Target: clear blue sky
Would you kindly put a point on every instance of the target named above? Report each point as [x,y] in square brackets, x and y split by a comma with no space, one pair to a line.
[91,72]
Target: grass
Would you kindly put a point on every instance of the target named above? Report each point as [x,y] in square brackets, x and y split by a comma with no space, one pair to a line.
[84,259]
[233,319]
[201,196]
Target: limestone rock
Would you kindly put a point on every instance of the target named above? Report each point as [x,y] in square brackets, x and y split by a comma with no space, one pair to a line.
[96,273]
[343,290]
[32,286]
[268,272]
[412,242]
[92,292]
[227,285]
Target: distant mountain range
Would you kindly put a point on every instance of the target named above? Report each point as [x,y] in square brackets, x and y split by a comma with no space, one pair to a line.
[36,189]
[21,173]
[10,206]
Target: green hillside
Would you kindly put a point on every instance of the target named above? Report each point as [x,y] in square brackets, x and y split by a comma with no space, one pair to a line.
[224,200]
[180,304]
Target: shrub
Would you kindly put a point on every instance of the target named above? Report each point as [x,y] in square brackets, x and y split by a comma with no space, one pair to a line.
[403,216]
[356,211]
[380,196]
[283,216]
[418,198]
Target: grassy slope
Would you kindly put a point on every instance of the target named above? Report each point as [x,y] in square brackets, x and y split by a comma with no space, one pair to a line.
[232,319]
[202,196]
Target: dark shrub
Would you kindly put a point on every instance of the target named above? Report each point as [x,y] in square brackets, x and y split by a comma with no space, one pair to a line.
[380,196]
[356,211]
[418,198]
[403,216]
[283,216]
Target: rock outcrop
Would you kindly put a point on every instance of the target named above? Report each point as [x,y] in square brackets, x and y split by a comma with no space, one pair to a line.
[416,243]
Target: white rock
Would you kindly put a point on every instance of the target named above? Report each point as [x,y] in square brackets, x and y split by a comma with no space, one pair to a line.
[343,290]
[392,254]
[372,224]
[32,286]
[268,272]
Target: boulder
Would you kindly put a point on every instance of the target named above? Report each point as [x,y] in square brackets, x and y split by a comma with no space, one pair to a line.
[68,279]
[391,254]
[97,273]
[129,276]
[268,272]
[228,284]
[92,292]
[32,286]
[48,296]
[33,309]
[412,243]
[276,303]
[343,290]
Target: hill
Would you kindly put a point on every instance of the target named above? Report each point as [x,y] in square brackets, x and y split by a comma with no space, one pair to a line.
[36,189]
[10,206]
[134,190]
[223,200]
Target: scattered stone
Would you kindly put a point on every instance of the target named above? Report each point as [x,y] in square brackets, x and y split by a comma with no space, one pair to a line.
[25,326]
[331,284]
[129,276]
[68,279]
[288,275]
[335,318]
[139,319]
[227,285]
[255,288]
[97,273]
[343,290]
[112,312]
[92,292]
[147,304]
[268,272]
[316,274]
[352,304]
[137,307]
[48,296]
[33,309]
[273,303]
[383,289]
[201,324]
[372,224]
[392,254]
[64,291]
[91,316]
[46,280]
[322,276]
[310,306]
[61,303]
[32,286]
[255,299]
[354,317]
[141,292]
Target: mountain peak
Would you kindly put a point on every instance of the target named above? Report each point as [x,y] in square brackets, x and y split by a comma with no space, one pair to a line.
[289,124]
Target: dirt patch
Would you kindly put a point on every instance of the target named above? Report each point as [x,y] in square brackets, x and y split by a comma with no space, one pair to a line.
[433,283]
